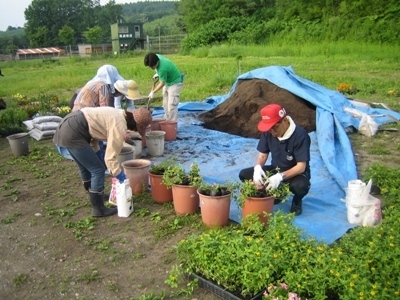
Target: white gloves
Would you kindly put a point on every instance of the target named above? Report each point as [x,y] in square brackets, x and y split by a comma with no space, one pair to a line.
[274,181]
[259,176]
[151,95]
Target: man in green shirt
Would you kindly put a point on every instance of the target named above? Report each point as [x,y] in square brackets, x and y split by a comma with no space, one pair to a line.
[170,82]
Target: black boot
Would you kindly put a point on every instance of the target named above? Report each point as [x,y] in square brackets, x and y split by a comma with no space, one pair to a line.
[296,207]
[86,186]
[98,208]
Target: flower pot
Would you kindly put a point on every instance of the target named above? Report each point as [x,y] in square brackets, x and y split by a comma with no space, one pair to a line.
[171,128]
[159,192]
[185,199]
[125,154]
[136,170]
[19,143]
[155,124]
[215,209]
[155,142]
[259,206]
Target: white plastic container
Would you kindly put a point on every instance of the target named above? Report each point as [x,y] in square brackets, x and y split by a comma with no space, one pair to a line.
[155,142]
[124,199]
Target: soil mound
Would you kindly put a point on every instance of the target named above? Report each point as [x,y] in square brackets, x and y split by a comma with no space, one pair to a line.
[240,113]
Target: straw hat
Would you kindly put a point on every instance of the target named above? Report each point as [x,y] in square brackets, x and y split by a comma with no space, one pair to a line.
[128,88]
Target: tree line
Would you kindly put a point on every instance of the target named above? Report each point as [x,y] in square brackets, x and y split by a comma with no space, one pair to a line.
[69,22]
[65,22]
[288,21]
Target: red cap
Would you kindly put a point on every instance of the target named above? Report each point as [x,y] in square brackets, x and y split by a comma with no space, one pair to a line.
[270,115]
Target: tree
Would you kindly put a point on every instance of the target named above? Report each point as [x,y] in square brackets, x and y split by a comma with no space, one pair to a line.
[42,18]
[198,12]
[40,37]
[66,35]
[12,49]
[93,35]
[107,15]
[77,14]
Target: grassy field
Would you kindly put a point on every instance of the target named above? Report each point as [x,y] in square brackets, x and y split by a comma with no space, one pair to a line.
[372,70]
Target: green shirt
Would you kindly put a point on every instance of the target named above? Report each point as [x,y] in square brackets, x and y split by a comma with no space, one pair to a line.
[168,72]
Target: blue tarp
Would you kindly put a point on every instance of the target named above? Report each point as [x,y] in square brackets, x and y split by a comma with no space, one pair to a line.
[221,156]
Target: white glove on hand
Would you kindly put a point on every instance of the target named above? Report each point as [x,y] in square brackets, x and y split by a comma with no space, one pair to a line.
[259,176]
[274,181]
[151,95]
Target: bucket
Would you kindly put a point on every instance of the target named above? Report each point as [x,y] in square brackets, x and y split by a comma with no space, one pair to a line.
[155,142]
[155,124]
[19,144]
[125,154]
[136,170]
[137,140]
[171,128]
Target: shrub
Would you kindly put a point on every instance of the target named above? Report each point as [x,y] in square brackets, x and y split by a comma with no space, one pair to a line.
[11,121]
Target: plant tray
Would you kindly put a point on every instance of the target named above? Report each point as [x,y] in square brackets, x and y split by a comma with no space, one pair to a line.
[219,291]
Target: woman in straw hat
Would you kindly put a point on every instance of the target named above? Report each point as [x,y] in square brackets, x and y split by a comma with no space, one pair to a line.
[100,91]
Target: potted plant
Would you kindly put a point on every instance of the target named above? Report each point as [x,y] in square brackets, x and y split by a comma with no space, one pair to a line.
[215,201]
[159,191]
[252,200]
[184,187]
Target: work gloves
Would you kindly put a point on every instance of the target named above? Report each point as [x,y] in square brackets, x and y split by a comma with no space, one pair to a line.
[259,176]
[151,95]
[121,177]
[274,181]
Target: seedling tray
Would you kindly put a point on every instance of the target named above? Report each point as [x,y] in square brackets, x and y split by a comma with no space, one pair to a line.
[219,291]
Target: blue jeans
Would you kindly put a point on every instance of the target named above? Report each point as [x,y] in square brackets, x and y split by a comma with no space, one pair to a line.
[90,167]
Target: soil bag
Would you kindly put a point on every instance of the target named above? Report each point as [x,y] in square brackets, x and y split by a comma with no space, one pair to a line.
[362,208]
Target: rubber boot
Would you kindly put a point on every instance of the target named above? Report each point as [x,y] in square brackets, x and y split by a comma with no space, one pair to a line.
[98,208]
[296,207]
[86,186]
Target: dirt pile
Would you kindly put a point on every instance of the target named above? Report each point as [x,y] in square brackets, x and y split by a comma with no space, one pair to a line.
[240,113]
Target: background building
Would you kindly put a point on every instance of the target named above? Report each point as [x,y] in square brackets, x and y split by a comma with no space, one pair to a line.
[127,36]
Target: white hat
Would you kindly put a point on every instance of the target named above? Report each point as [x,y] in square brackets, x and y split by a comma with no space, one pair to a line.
[128,88]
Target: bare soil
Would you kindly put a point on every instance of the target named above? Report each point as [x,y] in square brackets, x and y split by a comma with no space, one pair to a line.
[44,256]
[240,113]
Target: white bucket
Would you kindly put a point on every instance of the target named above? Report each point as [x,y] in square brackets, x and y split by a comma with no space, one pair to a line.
[137,140]
[138,148]
[125,154]
[155,142]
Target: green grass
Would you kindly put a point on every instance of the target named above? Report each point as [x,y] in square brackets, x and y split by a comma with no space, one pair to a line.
[373,69]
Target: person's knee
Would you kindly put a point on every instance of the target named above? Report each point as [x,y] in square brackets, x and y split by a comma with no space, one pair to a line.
[300,189]
[246,174]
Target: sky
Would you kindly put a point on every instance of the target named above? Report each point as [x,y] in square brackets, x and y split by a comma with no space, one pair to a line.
[12,11]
